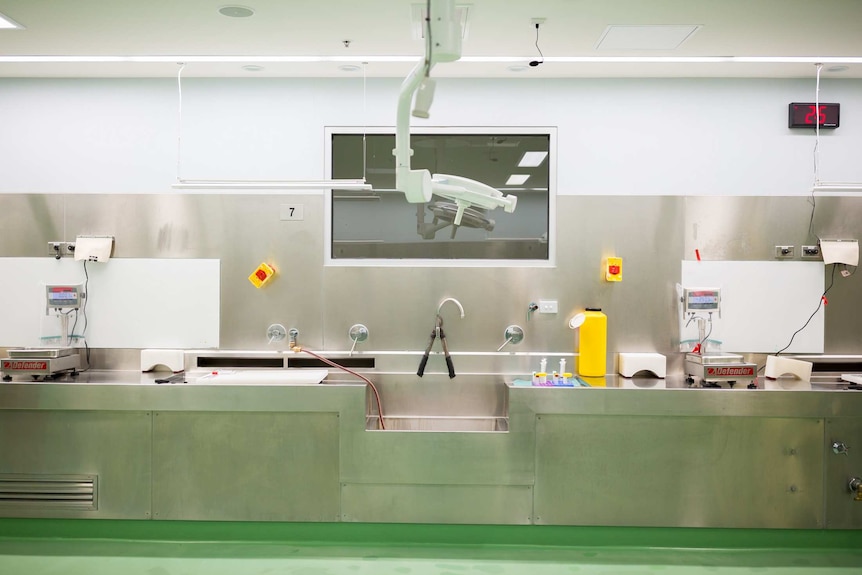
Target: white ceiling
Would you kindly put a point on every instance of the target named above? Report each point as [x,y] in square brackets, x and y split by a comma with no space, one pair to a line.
[190,29]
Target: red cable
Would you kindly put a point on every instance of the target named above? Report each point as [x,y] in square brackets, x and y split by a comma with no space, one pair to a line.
[351,372]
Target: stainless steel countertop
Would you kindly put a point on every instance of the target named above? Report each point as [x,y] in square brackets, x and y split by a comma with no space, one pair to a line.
[610,381]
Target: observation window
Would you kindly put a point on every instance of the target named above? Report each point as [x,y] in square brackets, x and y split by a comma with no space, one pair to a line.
[380,225]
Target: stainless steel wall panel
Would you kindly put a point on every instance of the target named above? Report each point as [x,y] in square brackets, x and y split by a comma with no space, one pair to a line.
[28,222]
[842,510]
[646,232]
[398,303]
[749,228]
[246,466]
[450,458]
[474,504]
[651,233]
[113,446]
[680,471]
[526,401]
[129,391]
[242,231]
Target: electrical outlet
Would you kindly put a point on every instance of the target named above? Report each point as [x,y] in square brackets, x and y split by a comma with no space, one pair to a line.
[811,252]
[61,249]
[783,252]
[548,306]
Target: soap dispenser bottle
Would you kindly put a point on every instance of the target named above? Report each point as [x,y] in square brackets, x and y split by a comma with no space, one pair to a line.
[593,343]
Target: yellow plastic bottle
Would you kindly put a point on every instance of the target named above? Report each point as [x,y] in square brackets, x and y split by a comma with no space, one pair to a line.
[593,343]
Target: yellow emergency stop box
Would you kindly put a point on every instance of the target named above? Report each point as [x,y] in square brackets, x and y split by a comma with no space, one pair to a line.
[614,269]
[261,275]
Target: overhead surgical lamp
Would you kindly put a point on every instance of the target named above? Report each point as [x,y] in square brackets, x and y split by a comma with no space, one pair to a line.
[442,44]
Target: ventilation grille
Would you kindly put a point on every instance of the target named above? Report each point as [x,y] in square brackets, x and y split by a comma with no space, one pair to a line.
[49,491]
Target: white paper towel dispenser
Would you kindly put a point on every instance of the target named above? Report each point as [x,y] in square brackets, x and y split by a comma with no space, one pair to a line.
[840,252]
[94,248]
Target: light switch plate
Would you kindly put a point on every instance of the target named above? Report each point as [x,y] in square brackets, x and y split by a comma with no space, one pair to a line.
[548,306]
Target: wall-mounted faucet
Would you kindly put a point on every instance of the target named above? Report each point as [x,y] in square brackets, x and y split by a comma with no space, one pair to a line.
[453,300]
[513,334]
[856,488]
[293,333]
[357,333]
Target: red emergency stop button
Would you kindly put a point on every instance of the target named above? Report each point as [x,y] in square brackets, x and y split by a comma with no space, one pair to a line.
[261,275]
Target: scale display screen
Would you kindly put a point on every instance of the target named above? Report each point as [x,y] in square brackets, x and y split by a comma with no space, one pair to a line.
[63,296]
[701,299]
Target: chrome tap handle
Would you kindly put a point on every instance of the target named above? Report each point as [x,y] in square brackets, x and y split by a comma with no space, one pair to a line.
[357,333]
[513,334]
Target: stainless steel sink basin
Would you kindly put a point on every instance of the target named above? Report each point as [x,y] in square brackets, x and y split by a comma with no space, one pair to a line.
[439,424]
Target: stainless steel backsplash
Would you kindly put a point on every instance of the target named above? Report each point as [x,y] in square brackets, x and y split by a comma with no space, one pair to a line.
[651,233]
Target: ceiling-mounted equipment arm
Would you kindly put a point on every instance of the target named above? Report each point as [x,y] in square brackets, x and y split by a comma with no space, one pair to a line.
[442,44]
[415,184]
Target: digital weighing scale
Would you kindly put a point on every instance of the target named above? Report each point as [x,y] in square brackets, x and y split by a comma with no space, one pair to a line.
[702,368]
[49,362]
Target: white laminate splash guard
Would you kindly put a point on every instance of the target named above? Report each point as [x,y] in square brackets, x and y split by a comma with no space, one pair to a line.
[762,304]
[131,303]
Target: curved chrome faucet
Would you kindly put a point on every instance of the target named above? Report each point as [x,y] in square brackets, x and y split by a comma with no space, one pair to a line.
[453,300]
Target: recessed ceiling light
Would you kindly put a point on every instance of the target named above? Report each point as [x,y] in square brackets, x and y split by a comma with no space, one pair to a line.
[532,159]
[349,68]
[234,11]
[837,68]
[7,23]
[517,179]
[516,68]
[252,68]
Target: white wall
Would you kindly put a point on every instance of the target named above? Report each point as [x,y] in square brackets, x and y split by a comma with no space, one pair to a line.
[616,136]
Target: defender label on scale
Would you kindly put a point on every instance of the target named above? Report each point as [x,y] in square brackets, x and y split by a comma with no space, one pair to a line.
[729,371]
[25,365]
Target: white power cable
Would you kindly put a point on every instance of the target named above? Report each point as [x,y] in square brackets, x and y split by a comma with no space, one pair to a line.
[817,128]
[364,122]
[179,117]
[813,201]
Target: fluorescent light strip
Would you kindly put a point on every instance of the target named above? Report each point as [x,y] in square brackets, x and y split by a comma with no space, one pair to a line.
[30,59]
[202,59]
[674,59]
[271,184]
[517,179]
[837,186]
[532,159]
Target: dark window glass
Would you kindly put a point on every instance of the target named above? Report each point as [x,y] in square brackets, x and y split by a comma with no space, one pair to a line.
[382,224]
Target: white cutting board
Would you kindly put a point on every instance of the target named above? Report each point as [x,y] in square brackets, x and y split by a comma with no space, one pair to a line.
[132,303]
[762,304]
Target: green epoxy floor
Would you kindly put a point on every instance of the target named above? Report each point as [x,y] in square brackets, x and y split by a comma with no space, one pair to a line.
[86,557]
[36,547]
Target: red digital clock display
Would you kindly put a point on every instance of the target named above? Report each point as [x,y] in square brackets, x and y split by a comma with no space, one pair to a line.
[808,115]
